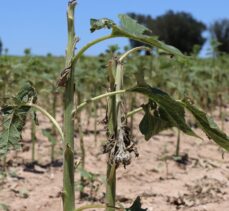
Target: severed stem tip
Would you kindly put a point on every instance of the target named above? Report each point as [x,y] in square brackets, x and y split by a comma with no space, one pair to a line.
[72,2]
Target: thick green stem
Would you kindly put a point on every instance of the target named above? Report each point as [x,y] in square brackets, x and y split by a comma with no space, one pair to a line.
[110,187]
[112,129]
[82,149]
[117,126]
[68,180]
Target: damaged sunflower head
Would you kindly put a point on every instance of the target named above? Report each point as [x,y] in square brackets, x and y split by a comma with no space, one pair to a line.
[120,146]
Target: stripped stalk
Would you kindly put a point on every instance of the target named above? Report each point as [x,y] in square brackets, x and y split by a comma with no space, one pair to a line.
[112,131]
[116,113]
[116,131]
[82,149]
[68,180]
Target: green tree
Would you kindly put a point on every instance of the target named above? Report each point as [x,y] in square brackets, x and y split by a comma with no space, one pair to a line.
[171,27]
[27,52]
[220,32]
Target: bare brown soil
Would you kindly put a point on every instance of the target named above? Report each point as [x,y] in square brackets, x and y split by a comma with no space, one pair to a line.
[201,184]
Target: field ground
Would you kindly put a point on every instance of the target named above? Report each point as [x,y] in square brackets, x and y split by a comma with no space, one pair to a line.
[202,184]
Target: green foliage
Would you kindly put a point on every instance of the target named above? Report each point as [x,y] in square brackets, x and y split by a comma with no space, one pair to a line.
[27,52]
[14,118]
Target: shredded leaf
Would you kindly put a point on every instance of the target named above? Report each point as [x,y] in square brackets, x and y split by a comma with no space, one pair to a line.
[97,24]
[14,118]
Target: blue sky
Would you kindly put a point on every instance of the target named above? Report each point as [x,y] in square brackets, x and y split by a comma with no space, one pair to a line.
[41,24]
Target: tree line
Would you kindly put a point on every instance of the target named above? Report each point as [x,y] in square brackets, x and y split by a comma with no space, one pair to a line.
[182,30]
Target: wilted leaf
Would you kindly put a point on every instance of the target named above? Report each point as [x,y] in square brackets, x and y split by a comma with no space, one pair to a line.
[137,206]
[172,110]
[208,125]
[154,123]
[64,76]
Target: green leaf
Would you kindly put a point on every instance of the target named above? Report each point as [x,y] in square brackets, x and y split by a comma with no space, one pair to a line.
[48,133]
[137,206]
[171,109]
[131,26]
[152,124]
[131,29]
[97,24]
[208,125]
